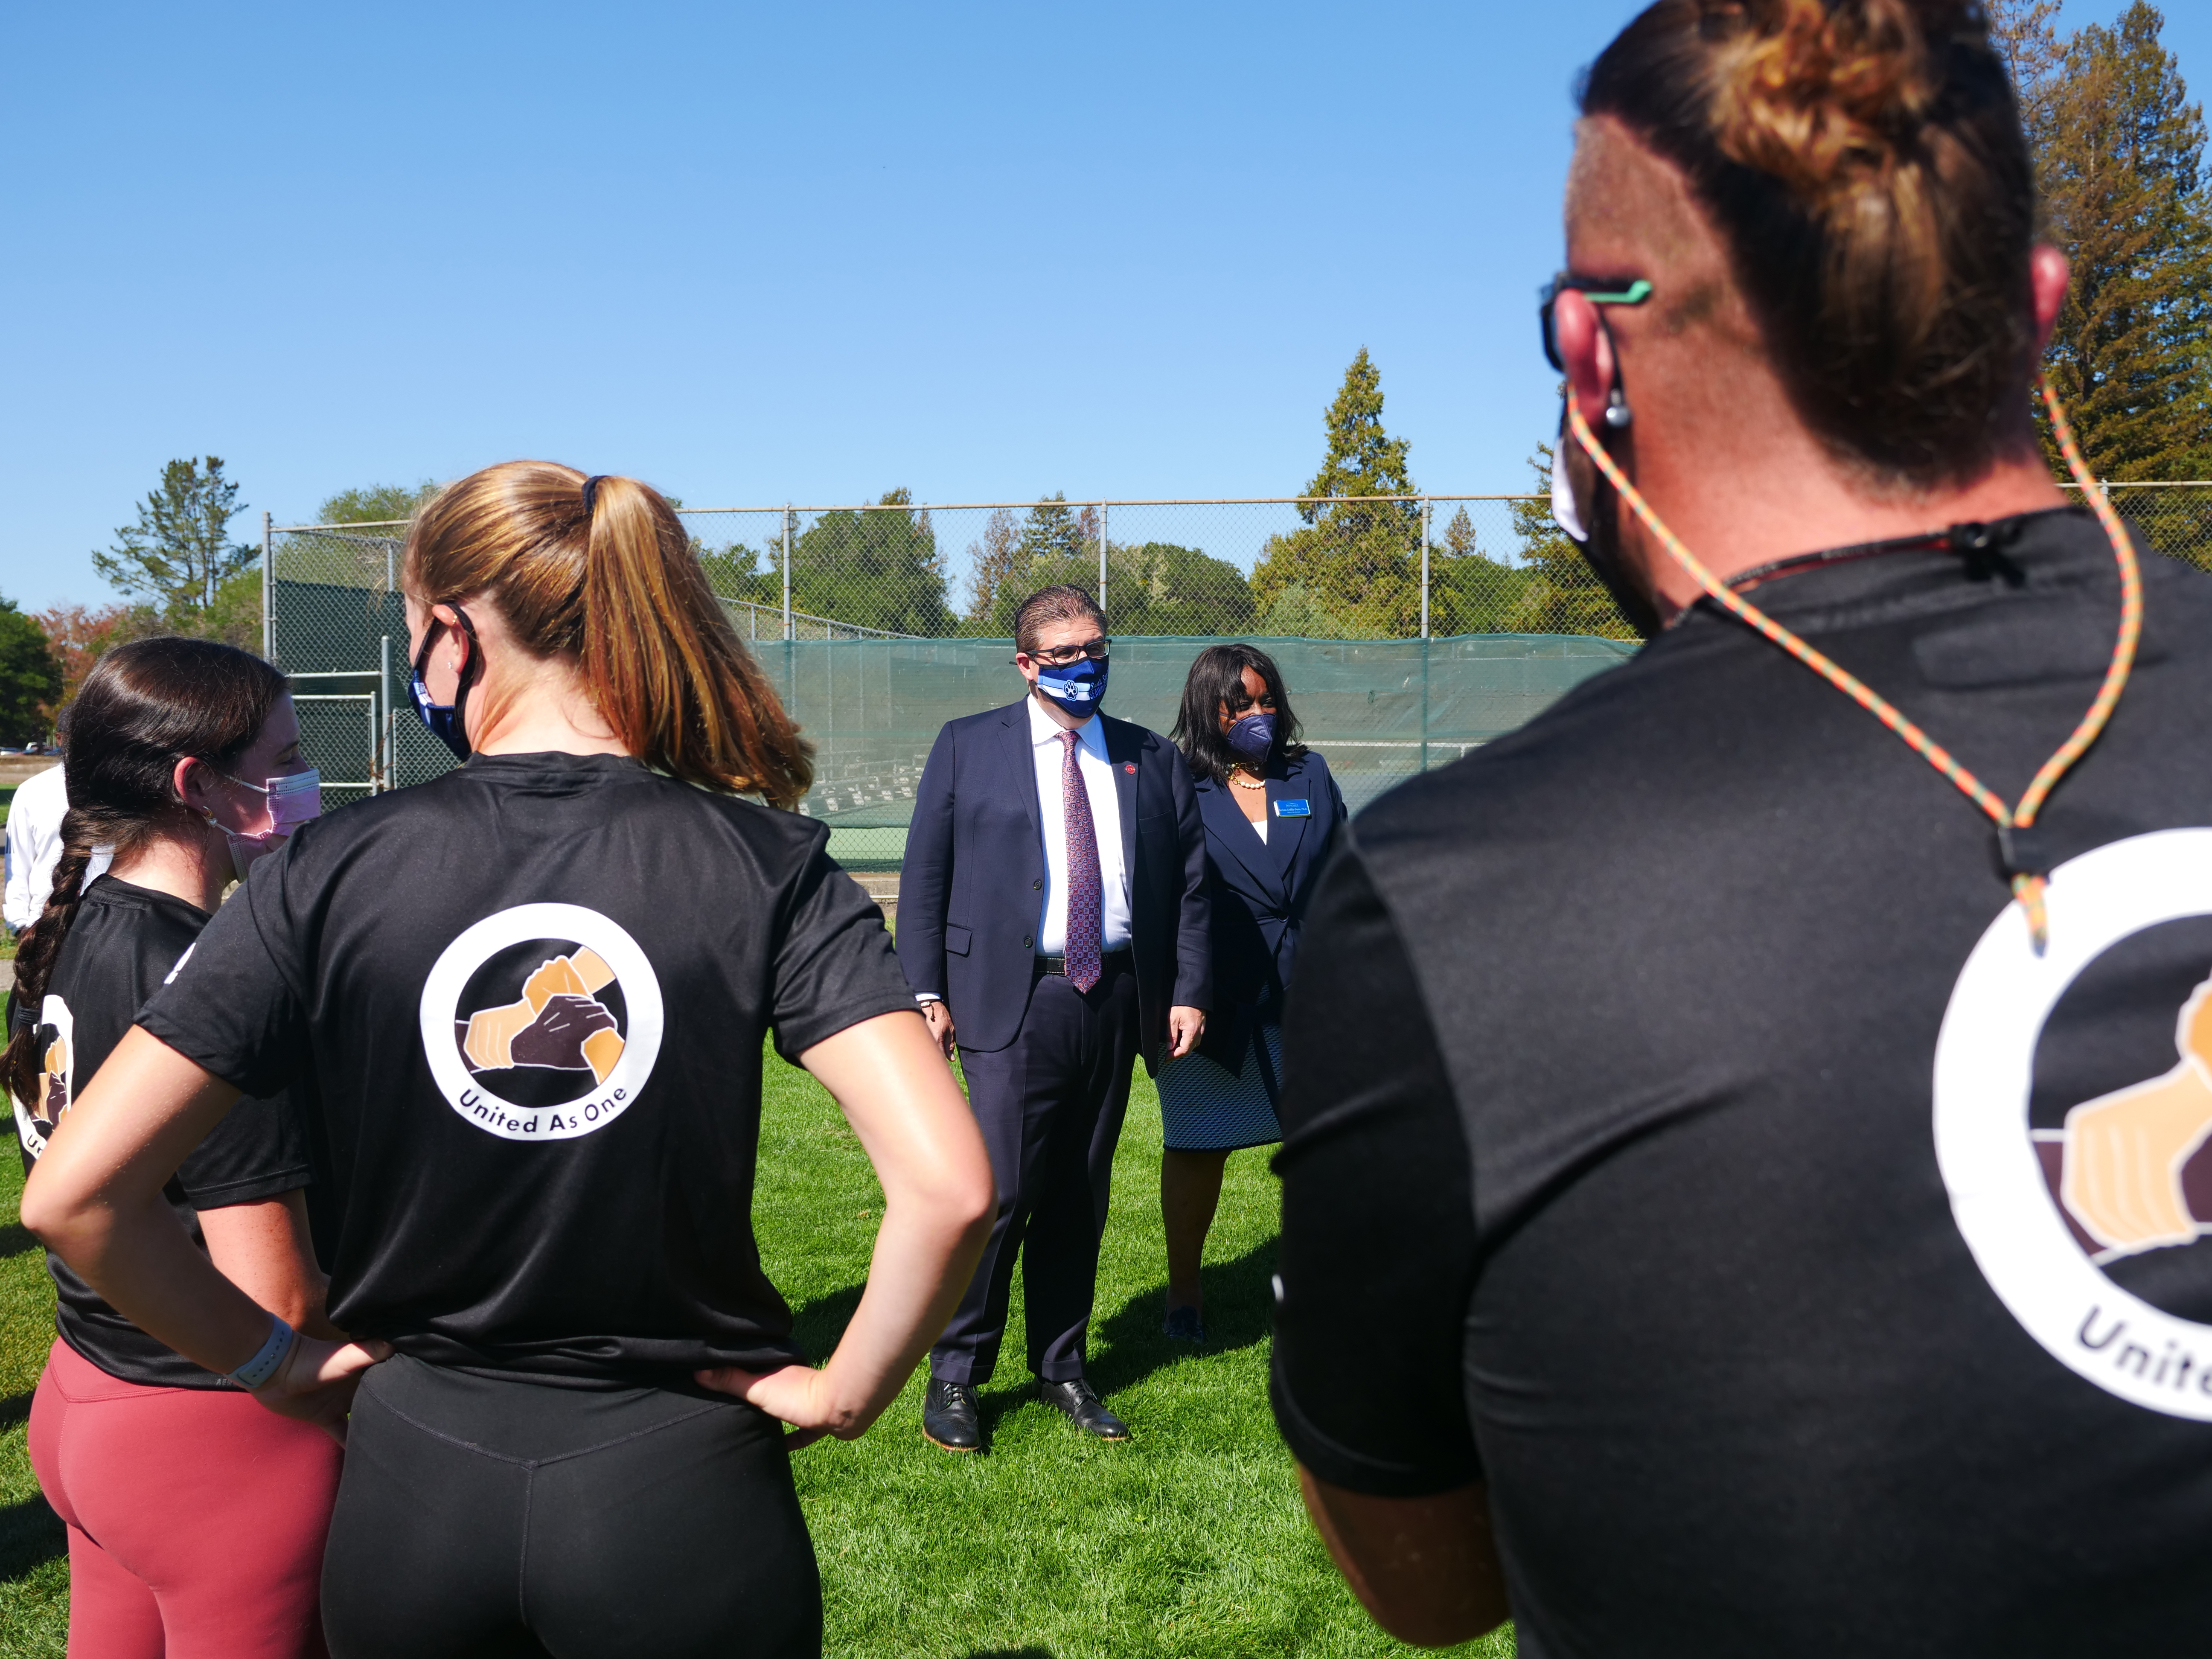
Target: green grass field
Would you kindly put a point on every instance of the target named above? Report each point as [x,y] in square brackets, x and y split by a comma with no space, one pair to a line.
[1189,1540]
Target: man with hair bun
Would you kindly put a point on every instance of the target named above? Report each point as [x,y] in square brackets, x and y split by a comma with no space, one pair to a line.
[1052,904]
[1755,1116]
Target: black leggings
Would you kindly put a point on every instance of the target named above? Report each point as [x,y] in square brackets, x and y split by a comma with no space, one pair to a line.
[492,1518]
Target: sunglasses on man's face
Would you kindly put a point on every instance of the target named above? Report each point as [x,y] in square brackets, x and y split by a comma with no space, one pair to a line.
[1598,290]
[1062,656]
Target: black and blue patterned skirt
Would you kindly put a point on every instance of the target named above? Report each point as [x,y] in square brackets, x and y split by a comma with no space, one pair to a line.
[1206,1108]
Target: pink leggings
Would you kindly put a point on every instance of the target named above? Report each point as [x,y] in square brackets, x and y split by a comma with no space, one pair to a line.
[196,1516]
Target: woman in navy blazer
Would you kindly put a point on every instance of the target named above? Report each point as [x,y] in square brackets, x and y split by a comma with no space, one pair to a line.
[1270,811]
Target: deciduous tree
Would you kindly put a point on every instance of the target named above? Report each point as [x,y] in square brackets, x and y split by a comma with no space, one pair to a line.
[873,569]
[375,503]
[30,677]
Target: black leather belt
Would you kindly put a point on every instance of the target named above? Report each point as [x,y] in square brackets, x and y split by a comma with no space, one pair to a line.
[1112,959]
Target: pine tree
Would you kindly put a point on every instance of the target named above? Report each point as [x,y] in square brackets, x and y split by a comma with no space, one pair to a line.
[2119,152]
[1357,561]
[178,554]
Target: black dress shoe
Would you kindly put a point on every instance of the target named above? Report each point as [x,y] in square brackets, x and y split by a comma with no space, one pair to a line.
[949,1417]
[1076,1399]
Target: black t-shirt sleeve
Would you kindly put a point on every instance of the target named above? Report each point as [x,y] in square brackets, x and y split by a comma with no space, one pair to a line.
[257,1151]
[238,1004]
[1378,1242]
[833,966]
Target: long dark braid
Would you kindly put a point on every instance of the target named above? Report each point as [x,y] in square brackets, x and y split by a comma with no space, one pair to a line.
[144,707]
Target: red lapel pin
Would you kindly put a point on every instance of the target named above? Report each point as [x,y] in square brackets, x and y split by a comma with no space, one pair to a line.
[1129,766]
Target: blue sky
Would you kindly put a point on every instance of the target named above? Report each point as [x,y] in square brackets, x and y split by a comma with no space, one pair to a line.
[757,253]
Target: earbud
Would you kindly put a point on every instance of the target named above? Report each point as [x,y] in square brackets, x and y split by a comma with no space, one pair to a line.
[1618,414]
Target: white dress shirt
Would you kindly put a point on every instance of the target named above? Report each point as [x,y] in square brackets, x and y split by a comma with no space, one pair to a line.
[1098,775]
[34,847]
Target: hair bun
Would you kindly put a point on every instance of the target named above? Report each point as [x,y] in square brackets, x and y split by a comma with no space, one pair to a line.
[1829,94]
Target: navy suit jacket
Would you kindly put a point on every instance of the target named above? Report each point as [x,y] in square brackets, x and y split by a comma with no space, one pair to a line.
[1259,891]
[972,891]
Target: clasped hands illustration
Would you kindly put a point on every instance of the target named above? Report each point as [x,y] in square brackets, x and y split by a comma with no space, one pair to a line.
[2125,1151]
[558,1023]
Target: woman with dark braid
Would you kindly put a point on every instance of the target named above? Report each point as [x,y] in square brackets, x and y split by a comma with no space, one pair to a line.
[196,1519]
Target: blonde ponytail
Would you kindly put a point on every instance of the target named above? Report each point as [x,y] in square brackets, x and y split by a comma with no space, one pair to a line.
[606,575]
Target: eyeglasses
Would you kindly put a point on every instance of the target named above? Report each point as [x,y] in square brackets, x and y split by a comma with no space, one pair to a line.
[1061,656]
[1598,290]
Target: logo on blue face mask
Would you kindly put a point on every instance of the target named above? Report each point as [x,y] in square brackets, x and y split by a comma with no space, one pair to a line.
[443,719]
[1078,688]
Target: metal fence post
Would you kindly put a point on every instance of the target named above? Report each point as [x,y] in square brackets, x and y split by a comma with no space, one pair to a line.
[382,774]
[1102,556]
[1425,508]
[268,591]
[786,572]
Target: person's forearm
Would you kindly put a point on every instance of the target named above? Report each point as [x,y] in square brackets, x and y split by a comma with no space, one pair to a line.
[1425,1569]
[915,1127]
[925,1253]
[138,1257]
[264,1248]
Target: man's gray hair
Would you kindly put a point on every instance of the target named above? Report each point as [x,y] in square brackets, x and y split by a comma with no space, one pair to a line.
[1060,603]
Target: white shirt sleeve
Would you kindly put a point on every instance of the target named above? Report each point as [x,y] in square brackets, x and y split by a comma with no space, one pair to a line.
[34,847]
[35,844]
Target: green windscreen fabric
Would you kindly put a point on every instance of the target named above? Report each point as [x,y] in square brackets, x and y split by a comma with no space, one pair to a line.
[1380,709]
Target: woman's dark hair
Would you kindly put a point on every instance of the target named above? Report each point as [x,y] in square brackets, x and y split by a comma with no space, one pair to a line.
[1863,163]
[144,707]
[1217,678]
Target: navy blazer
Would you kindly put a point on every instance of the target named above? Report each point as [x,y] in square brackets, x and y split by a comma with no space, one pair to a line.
[971,892]
[1259,891]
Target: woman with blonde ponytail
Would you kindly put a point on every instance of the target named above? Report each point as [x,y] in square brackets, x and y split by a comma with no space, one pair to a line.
[532,996]
[183,756]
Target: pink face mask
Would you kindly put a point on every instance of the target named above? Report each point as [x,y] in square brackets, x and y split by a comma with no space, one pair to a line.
[294,799]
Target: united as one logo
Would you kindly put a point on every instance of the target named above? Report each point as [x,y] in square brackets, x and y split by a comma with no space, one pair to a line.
[542,1021]
[2080,1181]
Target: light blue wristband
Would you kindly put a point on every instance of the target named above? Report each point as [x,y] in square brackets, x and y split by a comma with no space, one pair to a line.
[263,1366]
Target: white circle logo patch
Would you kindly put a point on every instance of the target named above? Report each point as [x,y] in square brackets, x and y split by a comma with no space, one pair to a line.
[2042,1210]
[542,1022]
[54,1041]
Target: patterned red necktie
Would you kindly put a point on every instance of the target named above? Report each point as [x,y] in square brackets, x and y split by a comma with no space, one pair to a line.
[1081,949]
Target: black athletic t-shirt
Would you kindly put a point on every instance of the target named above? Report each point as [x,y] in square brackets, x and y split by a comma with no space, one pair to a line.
[1683,1136]
[124,941]
[525,1004]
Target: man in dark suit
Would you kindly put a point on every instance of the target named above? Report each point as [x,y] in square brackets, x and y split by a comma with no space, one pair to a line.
[1053,905]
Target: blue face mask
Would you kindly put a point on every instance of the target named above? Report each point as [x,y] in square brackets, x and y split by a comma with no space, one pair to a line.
[445,720]
[1078,688]
[1253,737]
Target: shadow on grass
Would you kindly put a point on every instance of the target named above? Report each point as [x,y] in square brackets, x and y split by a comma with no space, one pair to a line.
[15,1238]
[30,1536]
[1240,1301]
[15,1408]
[1012,1653]
[819,1325]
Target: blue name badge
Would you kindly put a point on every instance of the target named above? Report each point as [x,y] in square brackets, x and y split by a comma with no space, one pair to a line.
[1293,809]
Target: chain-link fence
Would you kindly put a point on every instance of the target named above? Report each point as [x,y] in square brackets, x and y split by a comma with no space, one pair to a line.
[1409,629]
